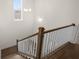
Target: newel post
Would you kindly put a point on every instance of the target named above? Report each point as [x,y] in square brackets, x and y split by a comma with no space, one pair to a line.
[17,44]
[40,42]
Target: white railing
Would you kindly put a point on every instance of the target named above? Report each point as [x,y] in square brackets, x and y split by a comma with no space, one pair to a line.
[76,34]
[54,39]
[28,46]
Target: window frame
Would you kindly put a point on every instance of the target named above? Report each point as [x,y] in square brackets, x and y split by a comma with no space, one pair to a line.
[21,12]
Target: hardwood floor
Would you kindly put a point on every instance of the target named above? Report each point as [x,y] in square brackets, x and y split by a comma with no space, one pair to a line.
[13,56]
[68,51]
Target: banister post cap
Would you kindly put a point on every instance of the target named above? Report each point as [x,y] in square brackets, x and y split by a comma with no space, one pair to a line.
[41,28]
[73,24]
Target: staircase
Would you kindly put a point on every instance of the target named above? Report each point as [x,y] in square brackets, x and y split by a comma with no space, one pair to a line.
[59,43]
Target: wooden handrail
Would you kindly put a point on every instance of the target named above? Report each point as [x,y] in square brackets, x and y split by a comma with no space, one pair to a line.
[59,28]
[48,31]
[28,37]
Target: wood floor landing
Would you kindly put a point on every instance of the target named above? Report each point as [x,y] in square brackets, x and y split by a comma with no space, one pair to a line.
[14,56]
[69,52]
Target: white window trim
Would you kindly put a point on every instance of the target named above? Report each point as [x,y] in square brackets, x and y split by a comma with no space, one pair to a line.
[21,13]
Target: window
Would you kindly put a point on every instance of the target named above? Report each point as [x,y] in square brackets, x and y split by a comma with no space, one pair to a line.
[17,7]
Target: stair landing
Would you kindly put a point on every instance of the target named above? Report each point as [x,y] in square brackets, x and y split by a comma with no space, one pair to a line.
[69,52]
[14,56]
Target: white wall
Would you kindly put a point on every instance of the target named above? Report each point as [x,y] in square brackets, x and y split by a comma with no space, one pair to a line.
[56,13]
[29,16]
[76,13]
[11,30]
[5,21]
